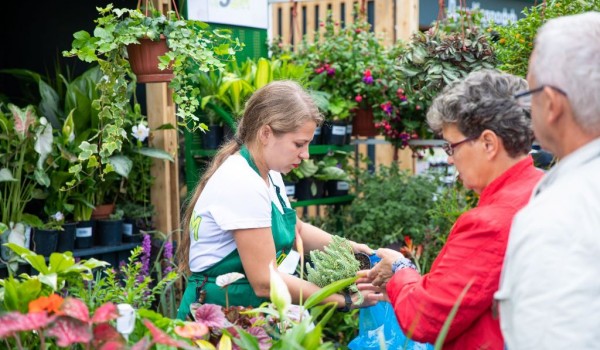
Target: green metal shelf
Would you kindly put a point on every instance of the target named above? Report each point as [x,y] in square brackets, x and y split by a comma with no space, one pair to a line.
[324,201]
[97,250]
[324,149]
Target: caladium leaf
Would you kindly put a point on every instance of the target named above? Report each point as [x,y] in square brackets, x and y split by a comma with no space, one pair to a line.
[76,309]
[69,331]
[105,313]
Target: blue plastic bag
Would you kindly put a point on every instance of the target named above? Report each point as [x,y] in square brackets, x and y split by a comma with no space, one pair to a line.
[379,322]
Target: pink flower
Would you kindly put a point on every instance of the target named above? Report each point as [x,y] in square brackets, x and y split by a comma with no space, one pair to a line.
[210,315]
[358,98]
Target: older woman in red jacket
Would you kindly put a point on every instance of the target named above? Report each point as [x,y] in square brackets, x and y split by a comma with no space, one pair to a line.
[489,137]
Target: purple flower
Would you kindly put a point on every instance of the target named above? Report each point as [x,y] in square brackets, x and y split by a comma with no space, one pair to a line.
[210,315]
[146,250]
[330,71]
[368,79]
[168,251]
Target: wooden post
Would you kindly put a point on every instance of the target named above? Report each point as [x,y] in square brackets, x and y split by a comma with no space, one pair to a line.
[165,191]
[407,18]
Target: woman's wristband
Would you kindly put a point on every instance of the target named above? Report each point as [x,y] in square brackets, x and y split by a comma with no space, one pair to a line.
[348,302]
[402,263]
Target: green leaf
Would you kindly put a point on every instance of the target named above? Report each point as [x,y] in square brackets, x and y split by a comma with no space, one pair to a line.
[6,175]
[439,342]
[155,153]
[36,261]
[167,126]
[121,164]
[50,279]
[328,290]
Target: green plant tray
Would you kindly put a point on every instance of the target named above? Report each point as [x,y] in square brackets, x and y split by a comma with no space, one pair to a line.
[324,201]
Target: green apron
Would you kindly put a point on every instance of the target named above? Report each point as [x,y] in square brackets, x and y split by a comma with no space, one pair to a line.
[283,227]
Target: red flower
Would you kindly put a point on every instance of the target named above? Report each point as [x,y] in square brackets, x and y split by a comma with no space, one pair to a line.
[358,98]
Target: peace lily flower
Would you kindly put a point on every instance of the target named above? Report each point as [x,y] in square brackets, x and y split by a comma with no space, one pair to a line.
[140,132]
[280,295]
[225,280]
[228,278]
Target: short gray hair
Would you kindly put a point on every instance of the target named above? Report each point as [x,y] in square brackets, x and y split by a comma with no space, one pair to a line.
[484,100]
[567,55]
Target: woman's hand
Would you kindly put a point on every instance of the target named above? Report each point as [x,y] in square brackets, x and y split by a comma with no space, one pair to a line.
[381,273]
[362,248]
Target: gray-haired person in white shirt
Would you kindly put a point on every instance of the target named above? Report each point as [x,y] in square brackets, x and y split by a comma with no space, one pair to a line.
[549,295]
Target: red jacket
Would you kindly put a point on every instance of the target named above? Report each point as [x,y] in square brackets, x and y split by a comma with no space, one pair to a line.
[474,251]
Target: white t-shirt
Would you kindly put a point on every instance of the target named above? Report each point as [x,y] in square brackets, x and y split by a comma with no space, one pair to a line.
[234,198]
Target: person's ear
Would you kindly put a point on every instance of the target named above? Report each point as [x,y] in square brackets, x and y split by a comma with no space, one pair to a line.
[491,143]
[264,133]
[556,104]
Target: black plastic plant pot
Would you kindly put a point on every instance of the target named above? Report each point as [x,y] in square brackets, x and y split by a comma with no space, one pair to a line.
[335,188]
[213,137]
[334,133]
[131,232]
[44,242]
[110,232]
[66,238]
[307,189]
[317,136]
[290,188]
[348,133]
[84,234]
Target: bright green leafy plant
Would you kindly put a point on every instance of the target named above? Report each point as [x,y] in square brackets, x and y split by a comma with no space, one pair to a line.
[515,42]
[192,46]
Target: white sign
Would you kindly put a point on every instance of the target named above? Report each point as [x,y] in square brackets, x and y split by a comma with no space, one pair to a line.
[503,17]
[247,13]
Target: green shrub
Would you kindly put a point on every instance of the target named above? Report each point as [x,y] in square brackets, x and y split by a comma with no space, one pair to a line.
[389,204]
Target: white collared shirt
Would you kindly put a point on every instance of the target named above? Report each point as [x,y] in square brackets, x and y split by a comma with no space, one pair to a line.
[550,286]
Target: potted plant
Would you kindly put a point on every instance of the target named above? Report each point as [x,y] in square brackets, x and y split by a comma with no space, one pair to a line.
[25,142]
[110,230]
[346,63]
[44,237]
[193,47]
[302,177]
[432,60]
[332,171]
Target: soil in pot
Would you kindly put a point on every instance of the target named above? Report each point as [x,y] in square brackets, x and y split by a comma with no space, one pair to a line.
[364,260]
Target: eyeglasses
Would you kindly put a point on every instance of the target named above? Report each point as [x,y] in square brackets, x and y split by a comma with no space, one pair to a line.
[450,147]
[538,89]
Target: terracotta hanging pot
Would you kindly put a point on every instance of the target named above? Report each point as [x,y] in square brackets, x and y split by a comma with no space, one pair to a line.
[143,58]
[362,123]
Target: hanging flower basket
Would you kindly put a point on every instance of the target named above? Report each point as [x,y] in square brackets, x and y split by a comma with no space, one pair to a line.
[362,123]
[143,58]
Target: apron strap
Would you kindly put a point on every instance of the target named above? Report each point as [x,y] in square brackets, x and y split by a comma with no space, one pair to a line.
[246,154]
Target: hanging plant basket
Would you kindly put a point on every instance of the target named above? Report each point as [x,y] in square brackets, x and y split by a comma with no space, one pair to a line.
[143,58]
[362,123]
